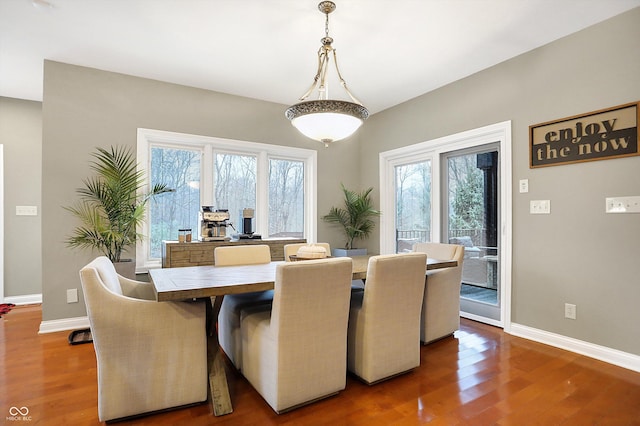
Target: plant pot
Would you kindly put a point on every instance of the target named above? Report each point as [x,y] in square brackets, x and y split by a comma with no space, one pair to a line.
[126,268]
[348,252]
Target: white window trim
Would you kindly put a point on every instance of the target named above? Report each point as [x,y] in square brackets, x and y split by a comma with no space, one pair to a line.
[209,144]
[431,150]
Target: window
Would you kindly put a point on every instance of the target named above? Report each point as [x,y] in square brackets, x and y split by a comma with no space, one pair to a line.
[180,170]
[278,182]
[413,204]
[235,184]
[286,198]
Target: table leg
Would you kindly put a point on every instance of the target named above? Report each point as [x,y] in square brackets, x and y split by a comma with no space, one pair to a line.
[219,399]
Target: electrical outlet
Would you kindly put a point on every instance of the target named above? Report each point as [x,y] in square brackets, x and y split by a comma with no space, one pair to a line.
[570,311]
[72,295]
[540,206]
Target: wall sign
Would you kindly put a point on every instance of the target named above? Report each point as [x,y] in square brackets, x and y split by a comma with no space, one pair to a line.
[599,135]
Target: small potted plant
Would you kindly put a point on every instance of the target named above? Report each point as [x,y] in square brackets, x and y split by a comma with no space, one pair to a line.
[111,206]
[355,219]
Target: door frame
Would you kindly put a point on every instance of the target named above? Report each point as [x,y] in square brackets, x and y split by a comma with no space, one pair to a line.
[431,149]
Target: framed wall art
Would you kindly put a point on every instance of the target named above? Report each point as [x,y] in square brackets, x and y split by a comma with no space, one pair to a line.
[599,135]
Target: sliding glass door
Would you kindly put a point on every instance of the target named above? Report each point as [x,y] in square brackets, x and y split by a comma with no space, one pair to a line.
[456,189]
[471,214]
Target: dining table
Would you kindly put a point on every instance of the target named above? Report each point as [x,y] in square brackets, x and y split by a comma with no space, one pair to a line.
[212,283]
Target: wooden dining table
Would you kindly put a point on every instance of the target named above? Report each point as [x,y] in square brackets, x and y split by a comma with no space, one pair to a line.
[212,283]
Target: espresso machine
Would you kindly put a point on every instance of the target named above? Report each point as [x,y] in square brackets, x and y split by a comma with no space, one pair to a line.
[213,224]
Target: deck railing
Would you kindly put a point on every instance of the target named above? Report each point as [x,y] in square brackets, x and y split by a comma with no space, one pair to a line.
[422,235]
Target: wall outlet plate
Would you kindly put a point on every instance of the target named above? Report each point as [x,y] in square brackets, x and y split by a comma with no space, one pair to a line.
[540,207]
[622,204]
[570,311]
[72,295]
[26,210]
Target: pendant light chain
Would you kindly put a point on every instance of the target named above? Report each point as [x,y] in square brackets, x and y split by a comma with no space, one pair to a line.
[326,24]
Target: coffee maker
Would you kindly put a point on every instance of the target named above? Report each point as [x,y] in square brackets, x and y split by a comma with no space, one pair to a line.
[246,218]
[213,224]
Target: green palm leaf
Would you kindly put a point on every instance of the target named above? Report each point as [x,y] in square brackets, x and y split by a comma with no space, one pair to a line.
[112,203]
[356,216]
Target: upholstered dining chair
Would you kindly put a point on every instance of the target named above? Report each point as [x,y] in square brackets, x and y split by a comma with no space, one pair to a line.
[441,304]
[295,353]
[150,355]
[229,317]
[384,320]
[249,254]
[292,249]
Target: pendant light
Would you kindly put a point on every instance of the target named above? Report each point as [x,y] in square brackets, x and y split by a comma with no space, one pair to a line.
[326,120]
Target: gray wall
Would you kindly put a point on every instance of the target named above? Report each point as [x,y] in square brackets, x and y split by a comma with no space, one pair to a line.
[21,136]
[578,254]
[84,108]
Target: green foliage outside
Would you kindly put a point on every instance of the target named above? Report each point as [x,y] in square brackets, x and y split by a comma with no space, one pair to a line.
[467,203]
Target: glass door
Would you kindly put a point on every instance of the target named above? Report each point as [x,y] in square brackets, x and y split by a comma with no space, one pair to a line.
[471,217]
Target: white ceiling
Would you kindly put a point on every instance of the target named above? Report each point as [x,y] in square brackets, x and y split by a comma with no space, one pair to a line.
[388,51]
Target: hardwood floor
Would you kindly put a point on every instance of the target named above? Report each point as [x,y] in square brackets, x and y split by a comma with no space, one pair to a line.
[481,377]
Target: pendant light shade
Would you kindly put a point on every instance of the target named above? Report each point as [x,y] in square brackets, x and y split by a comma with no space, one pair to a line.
[327,120]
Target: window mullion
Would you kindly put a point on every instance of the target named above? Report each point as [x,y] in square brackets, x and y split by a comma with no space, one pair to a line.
[262,195]
[207,180]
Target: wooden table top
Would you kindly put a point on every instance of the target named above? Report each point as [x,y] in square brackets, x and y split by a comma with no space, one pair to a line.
[205,281]
[360,264]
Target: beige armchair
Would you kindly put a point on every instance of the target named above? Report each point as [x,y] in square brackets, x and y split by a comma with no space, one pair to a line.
[384,321]
[441,306]
[295,352]
[232,304]
[150,355]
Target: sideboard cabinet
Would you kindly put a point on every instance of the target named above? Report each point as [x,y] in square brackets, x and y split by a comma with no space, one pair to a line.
[198,253]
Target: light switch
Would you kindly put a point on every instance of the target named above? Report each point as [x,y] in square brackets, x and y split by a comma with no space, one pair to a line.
[623,205]
[524,185]
[540,206]
[26,210]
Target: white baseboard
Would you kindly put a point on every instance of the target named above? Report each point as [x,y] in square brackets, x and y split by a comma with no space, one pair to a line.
[63,324]
[27,299]
[602,353]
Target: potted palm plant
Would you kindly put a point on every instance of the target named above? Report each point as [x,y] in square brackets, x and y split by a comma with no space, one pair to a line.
[111,206]
[355,219]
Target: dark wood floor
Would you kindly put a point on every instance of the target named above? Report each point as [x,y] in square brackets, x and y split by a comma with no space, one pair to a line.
[481,376]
